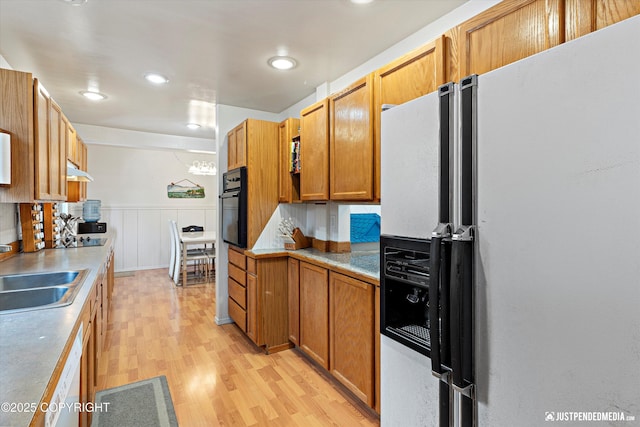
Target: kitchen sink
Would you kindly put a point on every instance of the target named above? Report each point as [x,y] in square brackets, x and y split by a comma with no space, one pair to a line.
[22,292]
[17,282]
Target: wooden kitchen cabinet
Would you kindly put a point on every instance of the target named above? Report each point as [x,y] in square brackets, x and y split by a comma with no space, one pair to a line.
[314,312]
[237,146]
[237,287]
[352,335]
[314,152]
[411,76]
[287,129]
[39,132]
[77,190]
[72,141]
[50,147]
[586,16]
[507,32]
[254,144]
[351,142]
[293,284]
[258,298]
[87,362]
[267,323]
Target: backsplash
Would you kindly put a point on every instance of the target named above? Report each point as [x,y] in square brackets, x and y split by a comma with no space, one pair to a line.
[8,223]
[325,221]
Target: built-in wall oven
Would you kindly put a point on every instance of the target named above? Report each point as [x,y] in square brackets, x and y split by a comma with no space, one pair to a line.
[234,207]
[404,299]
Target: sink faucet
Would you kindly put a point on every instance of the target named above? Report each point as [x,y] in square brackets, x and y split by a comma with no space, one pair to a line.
[5,248]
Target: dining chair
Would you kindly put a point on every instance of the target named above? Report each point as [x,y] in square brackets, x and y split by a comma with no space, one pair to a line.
[194,256]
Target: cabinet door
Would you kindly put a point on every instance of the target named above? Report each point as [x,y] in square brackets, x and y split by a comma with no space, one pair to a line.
[585,16]
[351,142]
[231,150]
[314,312]
[352,335]
[287,130]
[507,32]
[84,160]
[409,77]
[57,153]
[314,152]
[42,106]
[241,145]
[252,309]
[72,151]
[293,282]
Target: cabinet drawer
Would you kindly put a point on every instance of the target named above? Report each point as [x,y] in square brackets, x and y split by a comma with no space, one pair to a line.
[251,266]
[237,258]
[238,293]
[238,315]
[238,274]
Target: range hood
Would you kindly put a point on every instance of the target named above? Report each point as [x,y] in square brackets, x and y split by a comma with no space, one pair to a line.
[75,174]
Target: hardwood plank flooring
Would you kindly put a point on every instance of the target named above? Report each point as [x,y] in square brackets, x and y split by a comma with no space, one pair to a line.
[216,375]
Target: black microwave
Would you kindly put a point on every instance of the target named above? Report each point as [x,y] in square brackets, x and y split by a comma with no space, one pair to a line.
[234,207]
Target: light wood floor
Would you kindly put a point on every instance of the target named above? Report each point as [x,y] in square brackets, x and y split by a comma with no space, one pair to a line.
[216,376]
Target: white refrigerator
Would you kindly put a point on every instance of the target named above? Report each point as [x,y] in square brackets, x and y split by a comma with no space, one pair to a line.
[555,238]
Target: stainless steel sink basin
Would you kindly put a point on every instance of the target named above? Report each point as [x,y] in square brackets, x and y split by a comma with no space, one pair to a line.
[37,280]
[21,292]
[32,298]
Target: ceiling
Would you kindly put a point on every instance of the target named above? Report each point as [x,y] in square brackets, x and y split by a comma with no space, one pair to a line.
[212,51]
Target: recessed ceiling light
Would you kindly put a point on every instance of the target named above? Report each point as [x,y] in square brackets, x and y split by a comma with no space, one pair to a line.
[193,126]
[75,2]
[156,78]
[361,1]
[282,62]
[94,96]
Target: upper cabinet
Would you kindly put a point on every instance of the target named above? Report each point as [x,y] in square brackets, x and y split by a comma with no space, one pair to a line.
[411,76]
[288,129]
[259,142]
[351,151]
[515,29]
[38,140]
[237,147]
[42,140]
[77,190]
[50,147]
[507,32]
[585,16]
[314,152]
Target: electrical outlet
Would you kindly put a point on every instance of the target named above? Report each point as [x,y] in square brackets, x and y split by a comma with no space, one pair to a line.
[332,222]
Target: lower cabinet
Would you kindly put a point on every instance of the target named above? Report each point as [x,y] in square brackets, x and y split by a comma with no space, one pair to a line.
[258,299]
[334,320]
[293,280]
[314,312]
[352,334]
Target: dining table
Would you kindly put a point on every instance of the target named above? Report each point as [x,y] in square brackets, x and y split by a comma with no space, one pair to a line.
[188,238]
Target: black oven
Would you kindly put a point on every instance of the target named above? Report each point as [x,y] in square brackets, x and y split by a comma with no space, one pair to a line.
[404,296]
[234,207]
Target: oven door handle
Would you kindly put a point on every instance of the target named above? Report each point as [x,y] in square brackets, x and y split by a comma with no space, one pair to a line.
[230,195]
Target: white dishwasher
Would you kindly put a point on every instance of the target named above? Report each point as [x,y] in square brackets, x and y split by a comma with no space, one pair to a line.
[63,408]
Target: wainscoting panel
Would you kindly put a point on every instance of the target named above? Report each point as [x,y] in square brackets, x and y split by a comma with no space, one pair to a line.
[142,234]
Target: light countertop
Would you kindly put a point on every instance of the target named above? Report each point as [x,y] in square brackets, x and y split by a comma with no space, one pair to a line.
[366,263]
[32,342]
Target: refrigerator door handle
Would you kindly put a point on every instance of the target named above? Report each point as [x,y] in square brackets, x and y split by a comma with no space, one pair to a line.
[461,308]
[438,315]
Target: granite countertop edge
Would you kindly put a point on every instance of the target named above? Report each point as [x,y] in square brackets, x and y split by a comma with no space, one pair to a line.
[366,263]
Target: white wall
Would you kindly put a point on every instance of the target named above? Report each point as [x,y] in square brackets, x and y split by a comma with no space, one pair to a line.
[132,185]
